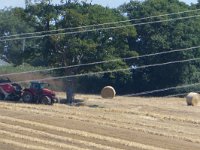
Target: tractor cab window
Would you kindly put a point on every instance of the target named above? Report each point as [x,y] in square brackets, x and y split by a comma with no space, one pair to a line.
[35,86]
[38,85]
[42,86]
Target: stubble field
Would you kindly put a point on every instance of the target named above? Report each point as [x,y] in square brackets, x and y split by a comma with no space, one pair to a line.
[93,123]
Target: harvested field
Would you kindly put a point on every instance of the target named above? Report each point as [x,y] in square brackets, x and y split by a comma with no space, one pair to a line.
[94,123]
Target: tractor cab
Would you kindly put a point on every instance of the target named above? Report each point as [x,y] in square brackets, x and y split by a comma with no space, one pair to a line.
[38,85]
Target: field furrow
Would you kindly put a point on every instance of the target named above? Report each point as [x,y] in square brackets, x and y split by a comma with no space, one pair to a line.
[123,123]
[22,145]
[83,134]
[138,126]
[55,137]
[38,140]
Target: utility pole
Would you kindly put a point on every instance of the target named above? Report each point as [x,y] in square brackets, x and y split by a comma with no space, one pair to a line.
[23,49]
[5,52]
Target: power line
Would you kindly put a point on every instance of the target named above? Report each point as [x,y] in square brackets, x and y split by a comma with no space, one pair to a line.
[101,62]
[162,90]
[76,32]
[167,63]
[92,30]
[96,25]
[113,71]
[152,65]
[180,94]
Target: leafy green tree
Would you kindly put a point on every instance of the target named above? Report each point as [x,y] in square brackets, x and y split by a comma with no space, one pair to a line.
[84,44]
[164,36]
[42,16]
[99,45]
[12,23]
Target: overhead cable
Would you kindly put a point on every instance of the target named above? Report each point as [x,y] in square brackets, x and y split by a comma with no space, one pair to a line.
[101,62]
[93,30]
[102,24]
[113,71]
[163,90]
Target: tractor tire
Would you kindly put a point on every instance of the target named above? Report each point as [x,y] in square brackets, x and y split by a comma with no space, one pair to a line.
[27,97]
[46,100]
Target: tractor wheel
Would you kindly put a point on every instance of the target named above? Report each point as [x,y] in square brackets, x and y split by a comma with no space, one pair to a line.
[27,97]
[46,100]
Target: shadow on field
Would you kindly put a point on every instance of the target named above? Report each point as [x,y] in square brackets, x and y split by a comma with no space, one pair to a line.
[78,103]
[64,101]
[10,101]
[94,106]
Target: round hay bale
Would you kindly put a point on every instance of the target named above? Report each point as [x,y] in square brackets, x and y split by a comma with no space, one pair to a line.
[108,92]
[192,99]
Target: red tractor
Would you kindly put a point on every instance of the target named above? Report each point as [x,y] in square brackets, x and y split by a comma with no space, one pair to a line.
[9,90]
[37,93]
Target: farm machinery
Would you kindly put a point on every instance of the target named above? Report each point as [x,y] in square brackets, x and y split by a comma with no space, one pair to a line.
[9,90]
[35,93]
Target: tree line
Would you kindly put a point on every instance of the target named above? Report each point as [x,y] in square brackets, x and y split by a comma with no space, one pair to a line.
[87,37]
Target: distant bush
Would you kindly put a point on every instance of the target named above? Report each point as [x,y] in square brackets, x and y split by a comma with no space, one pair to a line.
[21,68]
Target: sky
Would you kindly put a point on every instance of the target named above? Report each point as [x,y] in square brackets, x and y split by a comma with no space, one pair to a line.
[109,3]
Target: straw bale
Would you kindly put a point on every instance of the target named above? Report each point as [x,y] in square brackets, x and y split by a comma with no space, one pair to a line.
[192,99]
[108,92]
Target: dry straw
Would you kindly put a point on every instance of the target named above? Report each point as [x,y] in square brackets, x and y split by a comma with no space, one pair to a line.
[108,92]
[192,99]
